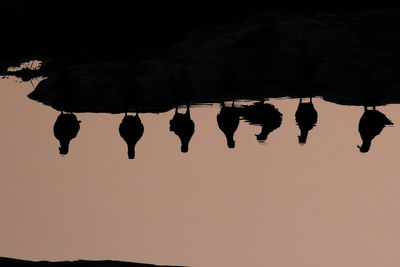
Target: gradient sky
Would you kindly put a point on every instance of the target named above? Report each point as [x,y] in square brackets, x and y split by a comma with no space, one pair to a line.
[271,204]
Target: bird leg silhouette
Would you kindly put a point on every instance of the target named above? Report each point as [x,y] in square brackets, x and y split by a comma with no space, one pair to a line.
[188,110]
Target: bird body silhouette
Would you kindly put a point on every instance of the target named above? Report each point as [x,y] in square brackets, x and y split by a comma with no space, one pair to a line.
[263,114]
[228,122]
[183,126]
[65,129]
[306,119]
[131,130]
[371,124]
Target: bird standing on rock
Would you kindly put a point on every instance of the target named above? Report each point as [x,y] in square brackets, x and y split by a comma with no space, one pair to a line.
[131,130]
[306,118]
[263,114]
[183,126]
[65,129]
[371,124]
[228,122]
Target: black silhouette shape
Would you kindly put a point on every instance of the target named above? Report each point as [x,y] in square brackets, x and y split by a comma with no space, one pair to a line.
[228,122]
[131,92]
[371,124]
[65,129]
[372,90]
[181,87]
[131,130]
[306,118]
[67,90]
[261,40]
[183,126]
[263,114]
[306,63]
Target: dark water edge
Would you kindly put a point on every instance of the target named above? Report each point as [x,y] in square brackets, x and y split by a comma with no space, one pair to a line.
[349,58]
[16,262]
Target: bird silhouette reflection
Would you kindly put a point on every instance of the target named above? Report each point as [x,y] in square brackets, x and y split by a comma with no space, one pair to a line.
[263,114]
[183,126]
[131,130]
[228,122]
[181,88]
[371,124]
[65,129]
[306,119]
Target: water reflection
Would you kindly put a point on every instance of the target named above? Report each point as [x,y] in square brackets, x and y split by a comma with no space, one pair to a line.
[183,126]
[371,124]
[181,87]
[264,114]
[131,130]
[228,122]
[65,129]
[306,118]
[67,90]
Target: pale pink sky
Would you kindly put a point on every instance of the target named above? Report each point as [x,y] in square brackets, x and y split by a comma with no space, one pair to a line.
[272,204]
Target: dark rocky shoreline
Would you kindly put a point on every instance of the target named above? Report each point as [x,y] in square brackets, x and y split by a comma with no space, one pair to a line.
[15,262]
[349,59]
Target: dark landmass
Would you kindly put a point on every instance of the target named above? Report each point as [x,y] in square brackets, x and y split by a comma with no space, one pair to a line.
[346,58]
[14,262]
[108,57]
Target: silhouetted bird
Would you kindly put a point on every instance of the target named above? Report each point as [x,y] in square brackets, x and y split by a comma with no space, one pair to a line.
[131,130]
[371,124]
[228,122]
[65,129]
[306,118]
[183,126]
[262,114]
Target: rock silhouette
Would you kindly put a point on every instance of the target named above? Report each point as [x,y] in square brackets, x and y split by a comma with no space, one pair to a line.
[371,124]
[263,114]
[306,118]
[131,130]
[228,122]
[183,126]
[65,129]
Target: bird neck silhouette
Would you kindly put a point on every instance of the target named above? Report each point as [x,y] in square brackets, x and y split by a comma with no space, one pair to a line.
[365,146]
[131,150]
[303,135]
[64,146]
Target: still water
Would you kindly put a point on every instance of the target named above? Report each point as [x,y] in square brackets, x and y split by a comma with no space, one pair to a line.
[276,203]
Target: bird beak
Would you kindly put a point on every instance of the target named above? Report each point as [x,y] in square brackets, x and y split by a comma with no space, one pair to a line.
[358,146]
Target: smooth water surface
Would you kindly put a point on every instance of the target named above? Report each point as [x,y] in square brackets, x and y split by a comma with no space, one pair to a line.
[276,203]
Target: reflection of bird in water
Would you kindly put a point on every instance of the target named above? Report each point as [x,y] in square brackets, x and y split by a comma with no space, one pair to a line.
[306,65]
[66,87]
[263,114]
[228,122]
[131,92]
[306,118]
[181,87]
[183,126]
[65,129]
[371,124]
[131,130]
[371,90]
